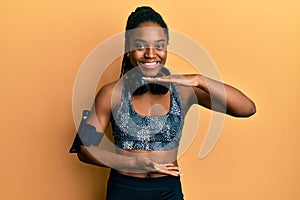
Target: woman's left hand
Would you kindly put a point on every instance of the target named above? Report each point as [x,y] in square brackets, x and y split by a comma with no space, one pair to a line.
[189,80]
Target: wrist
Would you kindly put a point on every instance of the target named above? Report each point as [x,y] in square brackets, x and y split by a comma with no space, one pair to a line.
[200,81]
[132,164]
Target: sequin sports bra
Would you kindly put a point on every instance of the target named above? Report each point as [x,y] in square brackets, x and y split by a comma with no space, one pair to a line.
[134,131]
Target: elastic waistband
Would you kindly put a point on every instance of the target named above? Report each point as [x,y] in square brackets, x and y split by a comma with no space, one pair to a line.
[143,183]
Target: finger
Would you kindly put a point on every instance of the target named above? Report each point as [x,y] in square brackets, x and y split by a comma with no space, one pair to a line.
[174,168]
[168,172]
[168,168]
[169,79]
[165,79]
[164,165]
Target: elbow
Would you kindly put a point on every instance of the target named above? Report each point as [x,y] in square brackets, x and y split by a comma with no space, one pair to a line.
[252,109]
[249,110]
[80,157]
[81,154]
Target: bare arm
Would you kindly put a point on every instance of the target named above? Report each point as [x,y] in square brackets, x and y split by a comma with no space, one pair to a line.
[224,98]
[99,118]
[213,94]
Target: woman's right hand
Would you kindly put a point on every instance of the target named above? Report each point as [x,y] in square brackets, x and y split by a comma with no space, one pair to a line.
[144,164]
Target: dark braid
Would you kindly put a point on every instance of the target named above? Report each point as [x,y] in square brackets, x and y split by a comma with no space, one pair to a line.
[140,15]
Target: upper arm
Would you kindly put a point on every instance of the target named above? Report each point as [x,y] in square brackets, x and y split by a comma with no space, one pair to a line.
[101,111]
[203,98]
[206,100]
[193,95]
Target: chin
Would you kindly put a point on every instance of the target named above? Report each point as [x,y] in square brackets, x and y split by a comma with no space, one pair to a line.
[150,72]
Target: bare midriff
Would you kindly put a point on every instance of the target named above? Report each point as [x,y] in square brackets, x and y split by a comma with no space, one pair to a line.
[161,157]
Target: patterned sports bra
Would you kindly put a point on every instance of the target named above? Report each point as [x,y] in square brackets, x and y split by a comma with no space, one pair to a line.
[138,132]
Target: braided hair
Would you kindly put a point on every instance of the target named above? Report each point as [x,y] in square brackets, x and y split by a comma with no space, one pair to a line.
[140,15]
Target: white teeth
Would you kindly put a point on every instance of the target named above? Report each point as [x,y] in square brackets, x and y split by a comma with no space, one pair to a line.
[153,63]
[149,64]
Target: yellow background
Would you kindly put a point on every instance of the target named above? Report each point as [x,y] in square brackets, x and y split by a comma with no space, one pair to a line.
[254,43]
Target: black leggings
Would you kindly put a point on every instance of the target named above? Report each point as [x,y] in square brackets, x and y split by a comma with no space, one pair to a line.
[122,187]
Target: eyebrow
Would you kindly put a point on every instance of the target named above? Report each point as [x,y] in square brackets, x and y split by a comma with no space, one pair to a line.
[140,40]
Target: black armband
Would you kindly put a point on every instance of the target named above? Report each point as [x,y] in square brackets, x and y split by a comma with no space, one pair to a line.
[86,134]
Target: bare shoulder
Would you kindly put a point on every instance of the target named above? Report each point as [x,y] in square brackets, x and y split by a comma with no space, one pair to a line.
[107,88]
[109,92]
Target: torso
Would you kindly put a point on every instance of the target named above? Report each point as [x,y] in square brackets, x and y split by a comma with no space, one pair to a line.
[169,156]
[149,104]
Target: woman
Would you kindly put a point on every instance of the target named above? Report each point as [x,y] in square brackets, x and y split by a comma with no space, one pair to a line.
[146,108]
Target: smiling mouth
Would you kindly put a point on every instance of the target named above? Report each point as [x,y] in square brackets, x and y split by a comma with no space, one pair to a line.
[149,64]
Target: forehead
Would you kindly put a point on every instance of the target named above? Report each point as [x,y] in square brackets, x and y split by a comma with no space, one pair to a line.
[149,32]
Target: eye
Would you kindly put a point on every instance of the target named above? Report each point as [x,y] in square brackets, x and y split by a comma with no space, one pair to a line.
[139,46]
[160,46]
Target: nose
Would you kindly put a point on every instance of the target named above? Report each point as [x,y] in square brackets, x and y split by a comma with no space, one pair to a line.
[150,53]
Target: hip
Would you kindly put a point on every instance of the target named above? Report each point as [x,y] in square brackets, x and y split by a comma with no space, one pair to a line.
[129,187]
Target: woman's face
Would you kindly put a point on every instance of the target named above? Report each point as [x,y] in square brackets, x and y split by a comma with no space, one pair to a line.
[148,48]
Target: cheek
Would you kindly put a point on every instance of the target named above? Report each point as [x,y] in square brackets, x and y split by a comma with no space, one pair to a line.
[163,55]
[134,56]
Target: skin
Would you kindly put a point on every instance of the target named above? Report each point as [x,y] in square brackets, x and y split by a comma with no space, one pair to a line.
[149,46]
